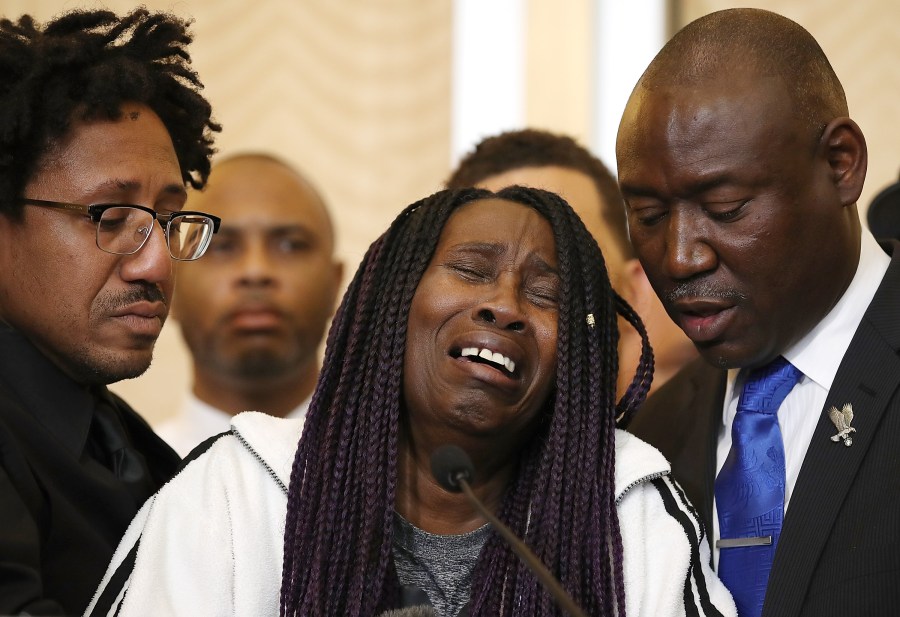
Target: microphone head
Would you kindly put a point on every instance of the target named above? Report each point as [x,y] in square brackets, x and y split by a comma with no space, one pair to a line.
[449,464]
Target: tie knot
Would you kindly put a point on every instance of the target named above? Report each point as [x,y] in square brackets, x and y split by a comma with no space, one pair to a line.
[767,386]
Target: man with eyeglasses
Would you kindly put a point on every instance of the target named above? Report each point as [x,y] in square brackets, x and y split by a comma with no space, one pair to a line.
[101,128]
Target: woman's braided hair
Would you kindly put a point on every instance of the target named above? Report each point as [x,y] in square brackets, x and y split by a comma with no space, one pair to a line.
[338,535]
[85,65]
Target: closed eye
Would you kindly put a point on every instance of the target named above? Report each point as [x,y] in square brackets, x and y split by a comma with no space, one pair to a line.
[543,290]
[471,271]
[725,211]
[645,211]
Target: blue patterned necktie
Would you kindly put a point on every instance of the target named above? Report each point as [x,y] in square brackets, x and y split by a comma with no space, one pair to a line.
[750,487]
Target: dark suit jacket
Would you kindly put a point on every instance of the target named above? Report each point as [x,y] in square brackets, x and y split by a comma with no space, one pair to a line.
[839,551]
[62,511]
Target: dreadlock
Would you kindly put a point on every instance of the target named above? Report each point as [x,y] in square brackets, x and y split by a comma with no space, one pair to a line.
[85,65]
[339,527]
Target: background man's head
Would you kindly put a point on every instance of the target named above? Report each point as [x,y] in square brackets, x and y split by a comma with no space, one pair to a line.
[741,173]
[94,109]
[883,215]
[254,310]
[560,164]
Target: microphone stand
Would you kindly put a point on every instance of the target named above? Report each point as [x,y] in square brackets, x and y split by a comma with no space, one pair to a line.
[521,549]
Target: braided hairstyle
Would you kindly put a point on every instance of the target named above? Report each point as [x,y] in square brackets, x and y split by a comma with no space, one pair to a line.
[339,527]
[85,65]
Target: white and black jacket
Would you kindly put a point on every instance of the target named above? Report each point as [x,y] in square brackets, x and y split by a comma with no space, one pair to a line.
[210,541]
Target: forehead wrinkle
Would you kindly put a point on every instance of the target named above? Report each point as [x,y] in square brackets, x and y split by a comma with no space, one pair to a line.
[493,249]
[539,263]
[121,185]
[247,170]
[496,250]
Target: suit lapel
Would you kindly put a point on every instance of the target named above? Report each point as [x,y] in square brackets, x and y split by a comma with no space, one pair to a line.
[868,376]
[710,399]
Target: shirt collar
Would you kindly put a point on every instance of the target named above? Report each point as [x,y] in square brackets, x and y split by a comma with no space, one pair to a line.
[63,406]
[818,355]
[207,415]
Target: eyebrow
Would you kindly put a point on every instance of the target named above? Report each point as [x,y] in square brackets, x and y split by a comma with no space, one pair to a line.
[538,262]
[694,188]
[268,229]
[488,248]
[496,250]
[713,182]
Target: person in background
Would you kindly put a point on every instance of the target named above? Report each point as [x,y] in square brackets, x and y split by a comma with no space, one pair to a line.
[101,127]
[480,319]
[558,163]
[883,215]
[254,310]
[741,170]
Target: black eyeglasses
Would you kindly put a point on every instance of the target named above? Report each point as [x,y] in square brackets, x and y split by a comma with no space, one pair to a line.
[124,229]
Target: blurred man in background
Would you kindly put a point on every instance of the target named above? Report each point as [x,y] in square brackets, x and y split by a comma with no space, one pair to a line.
[253,313]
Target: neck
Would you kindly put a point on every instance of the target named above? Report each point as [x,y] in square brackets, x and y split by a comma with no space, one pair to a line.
[277,396]
[425,504]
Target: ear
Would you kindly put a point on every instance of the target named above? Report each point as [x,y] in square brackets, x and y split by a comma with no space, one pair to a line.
[847,157]
[338,278]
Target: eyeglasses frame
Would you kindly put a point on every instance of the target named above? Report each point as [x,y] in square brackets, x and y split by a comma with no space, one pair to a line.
[95,211]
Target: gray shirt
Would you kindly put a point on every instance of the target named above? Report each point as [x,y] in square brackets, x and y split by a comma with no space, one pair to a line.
[441,566]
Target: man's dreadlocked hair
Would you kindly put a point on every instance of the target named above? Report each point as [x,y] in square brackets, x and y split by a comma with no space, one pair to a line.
[85,65]
[339,528]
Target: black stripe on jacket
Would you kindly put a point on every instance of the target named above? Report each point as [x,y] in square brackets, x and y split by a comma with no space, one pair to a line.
[678,507]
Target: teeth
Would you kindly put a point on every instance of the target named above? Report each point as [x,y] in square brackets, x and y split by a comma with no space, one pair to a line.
[491,356]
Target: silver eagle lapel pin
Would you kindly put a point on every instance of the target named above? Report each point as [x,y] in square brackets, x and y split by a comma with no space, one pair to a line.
[841,420]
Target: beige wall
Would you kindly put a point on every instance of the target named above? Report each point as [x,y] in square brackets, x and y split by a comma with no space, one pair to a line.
[558,67]
[357,93]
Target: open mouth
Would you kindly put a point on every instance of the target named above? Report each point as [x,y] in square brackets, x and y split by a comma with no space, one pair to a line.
[486,356]
[703,326]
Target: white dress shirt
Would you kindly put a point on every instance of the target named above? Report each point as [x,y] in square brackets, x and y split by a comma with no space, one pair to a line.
[818,356]
[198,421]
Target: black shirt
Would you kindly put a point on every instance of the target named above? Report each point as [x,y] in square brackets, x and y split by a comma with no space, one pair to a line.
[62,510]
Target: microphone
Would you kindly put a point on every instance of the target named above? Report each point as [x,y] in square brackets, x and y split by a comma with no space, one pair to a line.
[453,470]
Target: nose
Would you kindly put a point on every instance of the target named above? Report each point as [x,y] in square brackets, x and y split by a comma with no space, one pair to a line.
[255,268]
[503,309]
[689,251]
[153,262]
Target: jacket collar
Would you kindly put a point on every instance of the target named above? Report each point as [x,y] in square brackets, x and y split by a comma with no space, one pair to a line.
[636,463]
[274,442]
[51,397]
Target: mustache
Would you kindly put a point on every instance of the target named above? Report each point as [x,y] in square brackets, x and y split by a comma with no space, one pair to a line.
[136,293]
[700,288]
